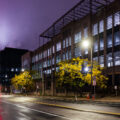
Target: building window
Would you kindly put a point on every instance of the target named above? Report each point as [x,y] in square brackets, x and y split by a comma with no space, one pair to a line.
[40,56]
[58,46]
[63,56]
[70,54]
[95,59]
[45,53]
[53,49]
[53,61]
[67,55]
[117,38]
[101,26]
[77,37]
[101,60]
[63,43]
[49,51]
[101,43]
[109,40]
[58,58]
[109,60]
[86,51]
[45,64]
[117,19]
[117,58]
[85,32]
[77,51]
[95,44]
[109,22]
[69,41]
[95,29]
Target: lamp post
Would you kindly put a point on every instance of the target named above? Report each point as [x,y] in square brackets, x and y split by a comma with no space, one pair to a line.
[87,44]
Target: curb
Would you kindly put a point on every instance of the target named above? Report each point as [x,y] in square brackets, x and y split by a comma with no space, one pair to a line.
[76,109]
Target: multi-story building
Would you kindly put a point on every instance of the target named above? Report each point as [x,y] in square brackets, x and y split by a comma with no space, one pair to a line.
[26,61]
[10,64]
[95,20]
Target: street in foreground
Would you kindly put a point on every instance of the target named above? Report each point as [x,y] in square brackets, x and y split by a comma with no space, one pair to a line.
[30,108]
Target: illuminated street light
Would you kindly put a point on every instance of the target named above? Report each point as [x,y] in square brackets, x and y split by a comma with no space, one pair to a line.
[87,44]
[86,69]
[22,69]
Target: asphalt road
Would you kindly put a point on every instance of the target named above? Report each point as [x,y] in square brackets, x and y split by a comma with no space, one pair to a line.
[19,108]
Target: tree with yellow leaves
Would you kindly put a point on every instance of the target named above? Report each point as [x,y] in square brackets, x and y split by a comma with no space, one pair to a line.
[72,73]
[23,81]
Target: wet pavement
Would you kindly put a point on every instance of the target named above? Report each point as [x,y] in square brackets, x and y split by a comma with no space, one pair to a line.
[23,108]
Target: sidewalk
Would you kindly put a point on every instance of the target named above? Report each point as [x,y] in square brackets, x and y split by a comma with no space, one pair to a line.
[72,99]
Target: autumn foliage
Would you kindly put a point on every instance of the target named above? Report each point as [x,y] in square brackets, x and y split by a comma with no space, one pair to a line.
[72,73]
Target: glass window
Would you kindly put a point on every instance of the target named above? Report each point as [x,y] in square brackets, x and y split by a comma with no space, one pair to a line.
[63,56]
[67,55]
[63,43]
[117,58]
[117,19]
[109,60]
[95,44]
[117,38]
[36,58]
[77,51]
[58,58]
[86,51]
[95,29]
[101,26]
[70,54]
[95,59]
[77,37]
[101,60]
[109,22]
[101,43]
[53,49]
[85,32]
[67,40]
[58,46]
[109,40]
[53,62]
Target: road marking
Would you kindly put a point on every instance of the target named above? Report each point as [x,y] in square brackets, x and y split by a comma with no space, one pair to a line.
[47,113]
[83,110]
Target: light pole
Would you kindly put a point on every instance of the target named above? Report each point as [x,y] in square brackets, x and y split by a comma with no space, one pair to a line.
[87,44]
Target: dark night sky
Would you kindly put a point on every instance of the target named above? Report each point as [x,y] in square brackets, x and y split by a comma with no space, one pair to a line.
[21,21]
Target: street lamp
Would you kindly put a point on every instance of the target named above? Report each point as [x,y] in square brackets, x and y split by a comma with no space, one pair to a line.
[87,44]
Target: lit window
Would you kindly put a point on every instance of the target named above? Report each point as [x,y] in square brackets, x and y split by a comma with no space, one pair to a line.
[12,69]
[95,59]
[109,40]
[101,43]
[117,19]
[63,56]
[86,51]
[58,58]
[101,26]
[85,32]
[67,55]
[109,22]
[109,60]
[53,62]
[63,43]
[117,58]
[77,37]
[117,38]
[53,49]
[58,46]
[95,29]
[77,51]
[67,40]
[101,60]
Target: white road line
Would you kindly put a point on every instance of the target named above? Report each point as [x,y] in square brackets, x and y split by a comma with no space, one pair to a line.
[38,111]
